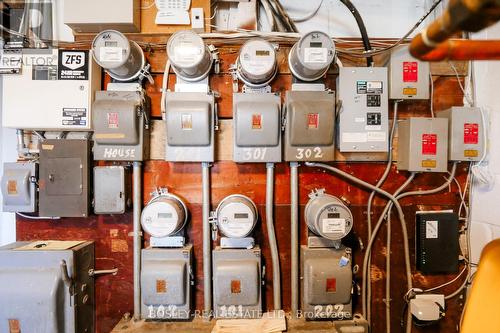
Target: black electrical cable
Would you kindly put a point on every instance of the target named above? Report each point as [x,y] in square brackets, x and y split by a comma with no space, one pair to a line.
[362,29]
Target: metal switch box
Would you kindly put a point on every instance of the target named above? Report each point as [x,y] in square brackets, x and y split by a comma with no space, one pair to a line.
[19,187]
[326,283]
[409,77]
[466,133]
[310,126]
[190,122]
[237,283]
[33,295]
[111,190]
[363,120]
[64,178]
[423,144]
[166,278]
[121,128]
[257,127]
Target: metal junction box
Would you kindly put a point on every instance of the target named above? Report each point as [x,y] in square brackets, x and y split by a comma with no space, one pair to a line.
[121,126]
[363,121]
[111,189]
[257,127]
[54,91]
[190,122]
[310,126]
[19,190]
[166,279]
[409,77]
[465,130]
[33,294]
[64,178]
[423,144]
[237,283]
[326,283]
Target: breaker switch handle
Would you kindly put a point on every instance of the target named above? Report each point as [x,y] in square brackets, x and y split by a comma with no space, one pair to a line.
[93,272]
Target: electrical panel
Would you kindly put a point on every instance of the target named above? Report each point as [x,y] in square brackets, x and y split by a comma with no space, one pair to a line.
[121,126]
[166,280]
[257,127]
[64,178]
[54,91]
[19,189]
[111,189]
[237,283]
[466,133]
[363,121]
[35,295]
[423,144]
[326,283]
[437,243]
[190,123]
[98,15]
[310,126]
[409,77]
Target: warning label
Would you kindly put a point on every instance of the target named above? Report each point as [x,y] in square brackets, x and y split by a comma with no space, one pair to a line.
[429,144]
[112,119]
[73,65]
[471,134]
[74,117]
[410,71]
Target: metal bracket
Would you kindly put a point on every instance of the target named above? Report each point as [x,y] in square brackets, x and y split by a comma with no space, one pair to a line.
[212,220]
[215,56]
[93,273]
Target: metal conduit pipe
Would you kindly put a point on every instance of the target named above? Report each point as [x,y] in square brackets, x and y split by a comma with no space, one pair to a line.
[207,253]
[294,223]
[273,245]
[137,198]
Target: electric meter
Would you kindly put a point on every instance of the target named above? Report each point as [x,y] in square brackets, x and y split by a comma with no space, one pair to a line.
[327,216]
[257,63]
[122,59]
[236,216]
[189,56]
[311,56]
[164,215]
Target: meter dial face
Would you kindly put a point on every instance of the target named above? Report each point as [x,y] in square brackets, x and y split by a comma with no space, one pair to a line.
[258,61]
[111,49]
[236,217]
[185,49]
[316,50]
[163,218]
[334,221]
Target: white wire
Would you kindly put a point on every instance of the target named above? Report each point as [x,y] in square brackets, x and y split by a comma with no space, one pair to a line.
[432,93]
[481,170]
[309,15]
[37,217]
[164,87]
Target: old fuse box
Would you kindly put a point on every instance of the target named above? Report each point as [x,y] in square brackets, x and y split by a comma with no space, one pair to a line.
[121,126]
[35,295]
[64,178]
[423,144]
[466,133]
[310,124]
[111,189]
[363,120]
[409,77]
[54,91]
[19,189]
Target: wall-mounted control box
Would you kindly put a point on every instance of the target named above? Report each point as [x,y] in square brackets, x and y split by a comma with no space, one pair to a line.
[34,296]
[237,283]
[121,126]
[310,126]
[326,283]
[466,133]
[166,279]
[54,91]
[257,127]
[423,144]
[190,124]
[64,178]
[409,77]
[19,191]
[111,189]
[363,120]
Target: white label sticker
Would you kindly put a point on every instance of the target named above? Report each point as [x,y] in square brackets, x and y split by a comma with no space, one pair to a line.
[359,120]
[376,136]
[315,54]
[111,54]
[330,226]
[431,229]
[354,137]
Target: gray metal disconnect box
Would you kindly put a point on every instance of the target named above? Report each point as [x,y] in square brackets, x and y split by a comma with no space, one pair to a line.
[310,126]
[423,144]
[33,295]
[326,283]
[111,189]
[256,127]
[237,278]
[18,186]
[166,278]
